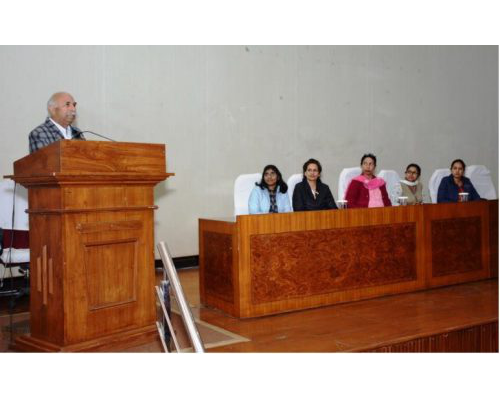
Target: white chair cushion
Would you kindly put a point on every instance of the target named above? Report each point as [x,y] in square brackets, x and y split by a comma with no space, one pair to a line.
[243,186]
[393,184]
[435,180]
[291,182]
[481,179]
[345,178]
[17,256]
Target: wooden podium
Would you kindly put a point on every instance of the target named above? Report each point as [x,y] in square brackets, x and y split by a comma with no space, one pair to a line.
[91,244]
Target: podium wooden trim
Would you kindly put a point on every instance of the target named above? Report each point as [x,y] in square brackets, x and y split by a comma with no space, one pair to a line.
[91,219]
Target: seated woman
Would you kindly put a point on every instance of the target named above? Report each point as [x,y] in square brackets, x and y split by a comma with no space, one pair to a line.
[456,183]
[311,194]
[270,195]
[366,190]
[411,186]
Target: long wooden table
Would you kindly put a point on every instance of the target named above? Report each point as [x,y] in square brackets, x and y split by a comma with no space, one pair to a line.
[273,263]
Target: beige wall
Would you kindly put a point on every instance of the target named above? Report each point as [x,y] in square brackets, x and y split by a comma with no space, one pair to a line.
[224,111]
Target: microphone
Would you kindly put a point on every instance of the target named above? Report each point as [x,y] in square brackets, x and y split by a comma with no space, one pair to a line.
[97,134]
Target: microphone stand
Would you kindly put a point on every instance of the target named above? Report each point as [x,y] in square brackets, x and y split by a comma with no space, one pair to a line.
[97,134]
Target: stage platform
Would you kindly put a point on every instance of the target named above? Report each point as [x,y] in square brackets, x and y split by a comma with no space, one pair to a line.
[459,318]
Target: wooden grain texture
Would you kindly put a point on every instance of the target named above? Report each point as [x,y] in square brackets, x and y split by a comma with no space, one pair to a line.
[481,338]
[410,319]
[111,264]
[307,263]
[301,260]
[336,220]
[46,309]
[456,245]
[110,343]
[219,270]
[493,218]
[218,265]
[460,243]
[97,234]
[73,157]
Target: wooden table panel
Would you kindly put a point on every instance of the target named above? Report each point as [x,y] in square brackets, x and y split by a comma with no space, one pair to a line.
[306,263]
[457,242]
[219,284]
[292,261]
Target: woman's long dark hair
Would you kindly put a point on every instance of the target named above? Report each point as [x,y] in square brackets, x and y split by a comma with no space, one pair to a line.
[282,185]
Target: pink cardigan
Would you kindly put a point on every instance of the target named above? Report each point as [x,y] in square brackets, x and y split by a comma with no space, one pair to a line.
[358,192]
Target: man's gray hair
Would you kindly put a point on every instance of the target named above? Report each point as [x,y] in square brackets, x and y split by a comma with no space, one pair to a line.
[52,100]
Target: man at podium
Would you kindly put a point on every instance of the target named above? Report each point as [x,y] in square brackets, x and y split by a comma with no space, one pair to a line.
[62,112]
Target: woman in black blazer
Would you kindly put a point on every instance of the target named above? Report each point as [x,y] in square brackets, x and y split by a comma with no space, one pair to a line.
[311,194]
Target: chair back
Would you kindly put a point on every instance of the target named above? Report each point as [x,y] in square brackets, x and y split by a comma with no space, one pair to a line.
[243,186]
[345,178]
[435,180]
[21,220]
[17,234]
[480,177]
[392,183]
[291,182]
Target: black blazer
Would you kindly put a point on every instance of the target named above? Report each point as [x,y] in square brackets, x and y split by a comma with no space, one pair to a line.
[303,199]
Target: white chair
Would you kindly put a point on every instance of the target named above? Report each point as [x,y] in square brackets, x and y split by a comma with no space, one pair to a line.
[481,179]
[243,186]
[435,180]
[291,182]
[6,196]
[345,178]
[392,183]
[16,234]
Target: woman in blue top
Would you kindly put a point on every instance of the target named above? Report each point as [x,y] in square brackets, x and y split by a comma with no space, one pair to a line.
[456,183]
[270,195]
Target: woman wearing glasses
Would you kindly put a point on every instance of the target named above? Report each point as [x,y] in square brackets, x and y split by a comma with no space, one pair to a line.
[270,195]
[411,186]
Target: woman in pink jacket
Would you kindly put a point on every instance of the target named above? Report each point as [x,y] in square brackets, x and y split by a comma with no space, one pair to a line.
[366,190]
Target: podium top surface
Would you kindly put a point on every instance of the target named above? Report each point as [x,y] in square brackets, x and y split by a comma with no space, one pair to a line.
[84,158]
